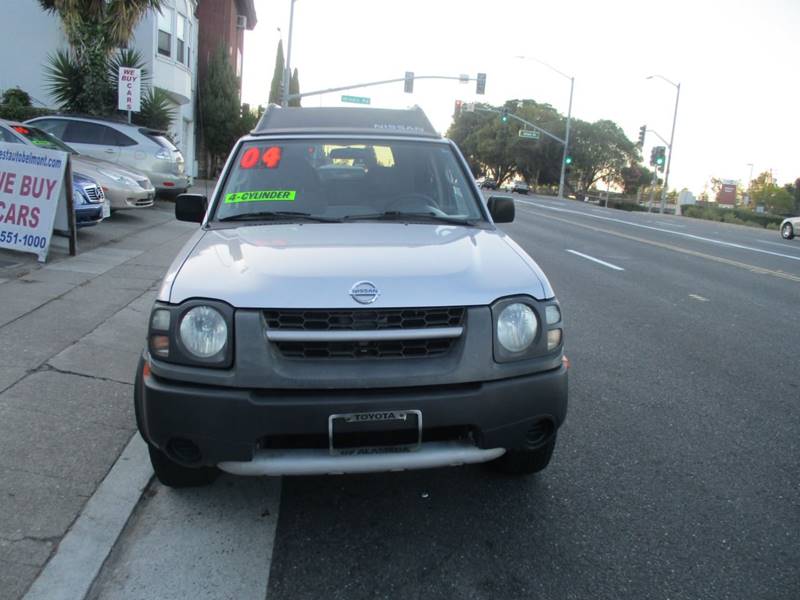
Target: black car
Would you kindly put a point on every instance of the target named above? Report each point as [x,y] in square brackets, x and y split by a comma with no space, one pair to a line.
[489,184]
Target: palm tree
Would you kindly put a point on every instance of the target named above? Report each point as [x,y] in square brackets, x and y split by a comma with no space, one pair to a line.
[94,30]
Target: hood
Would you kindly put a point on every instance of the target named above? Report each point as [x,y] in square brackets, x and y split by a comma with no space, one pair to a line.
[316,266]
[91,167]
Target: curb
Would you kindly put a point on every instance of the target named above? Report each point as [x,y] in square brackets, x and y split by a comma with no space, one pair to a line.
[70,572]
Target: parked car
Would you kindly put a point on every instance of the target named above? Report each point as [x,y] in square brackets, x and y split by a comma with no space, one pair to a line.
[352,324]
[88,200]
[123,188]
[520,187]
[489,184]
[790,227]
[140,148]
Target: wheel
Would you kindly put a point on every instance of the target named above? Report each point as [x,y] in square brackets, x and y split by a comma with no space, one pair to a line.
[174,475]
[524,461]
[787,232]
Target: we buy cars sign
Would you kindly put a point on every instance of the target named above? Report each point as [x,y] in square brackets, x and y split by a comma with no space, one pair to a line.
[129,89]
[31,189]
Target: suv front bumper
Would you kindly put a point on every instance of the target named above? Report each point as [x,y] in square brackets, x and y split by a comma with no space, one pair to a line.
[229,425]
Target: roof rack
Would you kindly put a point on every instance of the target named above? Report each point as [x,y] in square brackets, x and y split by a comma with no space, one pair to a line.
[393,122]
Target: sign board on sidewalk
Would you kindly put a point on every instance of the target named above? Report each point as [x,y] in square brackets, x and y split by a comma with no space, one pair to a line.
[129,89]
[32,191]
[531,134]
[356,99]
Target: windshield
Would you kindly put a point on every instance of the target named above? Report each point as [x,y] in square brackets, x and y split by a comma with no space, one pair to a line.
[348,179]
[42,139]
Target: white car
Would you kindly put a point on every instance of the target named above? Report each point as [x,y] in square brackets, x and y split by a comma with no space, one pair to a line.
[790,227]
[370,319]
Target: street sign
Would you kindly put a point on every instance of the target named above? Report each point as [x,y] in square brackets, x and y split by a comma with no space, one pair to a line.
[531,134]
[356,99]
[129,89]
[463,78]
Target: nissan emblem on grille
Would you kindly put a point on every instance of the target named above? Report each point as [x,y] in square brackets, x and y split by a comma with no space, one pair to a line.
[364,292]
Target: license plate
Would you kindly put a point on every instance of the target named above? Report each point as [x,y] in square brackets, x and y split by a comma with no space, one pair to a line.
[106,209]
[375,432]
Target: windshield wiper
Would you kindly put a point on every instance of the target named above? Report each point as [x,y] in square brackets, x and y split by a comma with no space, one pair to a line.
[395,215]
[278,215]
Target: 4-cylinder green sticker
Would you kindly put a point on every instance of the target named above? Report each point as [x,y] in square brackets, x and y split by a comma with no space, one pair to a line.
[262,196]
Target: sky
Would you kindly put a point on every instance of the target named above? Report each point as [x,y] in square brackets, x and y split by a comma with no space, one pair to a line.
[737,61]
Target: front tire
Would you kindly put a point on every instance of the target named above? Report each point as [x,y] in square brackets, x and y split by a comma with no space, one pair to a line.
[524,461]
[173,475]
[787,232]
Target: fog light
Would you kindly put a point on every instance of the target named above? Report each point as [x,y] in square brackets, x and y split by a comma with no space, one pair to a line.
[552,314]
[159,344]
[553,338]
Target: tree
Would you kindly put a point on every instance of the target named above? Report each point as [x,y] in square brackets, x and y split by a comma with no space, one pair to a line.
[599,149]
[634,177]
[276,89]
[219,108]
[94,30]
[294,88]
[775,199]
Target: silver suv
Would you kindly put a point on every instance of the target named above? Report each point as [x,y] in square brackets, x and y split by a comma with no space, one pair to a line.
[348,305]
[140,148]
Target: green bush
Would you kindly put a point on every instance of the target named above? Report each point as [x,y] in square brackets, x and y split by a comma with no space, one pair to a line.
[738,216]
[16,112]
[625,205]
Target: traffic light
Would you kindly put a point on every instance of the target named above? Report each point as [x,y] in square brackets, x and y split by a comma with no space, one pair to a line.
[504,115]
[658,156]
[642,131]
[568,160]
[480,88]
[457,110]
[409,83]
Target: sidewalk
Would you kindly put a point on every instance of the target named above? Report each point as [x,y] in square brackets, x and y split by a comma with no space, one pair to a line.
[71,334]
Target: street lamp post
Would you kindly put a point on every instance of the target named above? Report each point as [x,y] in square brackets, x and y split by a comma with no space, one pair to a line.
[569,120]
[749,185]
[677,87]
[287,73]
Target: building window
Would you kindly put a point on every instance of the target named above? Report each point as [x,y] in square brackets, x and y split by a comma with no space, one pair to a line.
[180,36]
[165,31]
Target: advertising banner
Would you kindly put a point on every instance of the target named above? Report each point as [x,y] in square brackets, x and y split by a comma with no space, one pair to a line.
[129,89]
[31,189]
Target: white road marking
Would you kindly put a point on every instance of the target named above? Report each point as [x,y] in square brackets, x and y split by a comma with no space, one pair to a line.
[679,233]
[597,260]
[782,245]
[700,298]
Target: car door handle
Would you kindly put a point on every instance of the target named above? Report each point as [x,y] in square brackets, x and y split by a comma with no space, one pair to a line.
[110,151]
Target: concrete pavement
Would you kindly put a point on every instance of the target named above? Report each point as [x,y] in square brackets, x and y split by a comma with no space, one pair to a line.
[71,333]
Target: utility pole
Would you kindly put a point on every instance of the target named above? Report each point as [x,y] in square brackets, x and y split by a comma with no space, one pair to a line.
[287,73]
[652,189]
[677,87]
[566,140]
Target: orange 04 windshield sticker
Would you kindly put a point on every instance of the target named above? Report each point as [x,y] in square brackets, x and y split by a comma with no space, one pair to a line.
[261,196]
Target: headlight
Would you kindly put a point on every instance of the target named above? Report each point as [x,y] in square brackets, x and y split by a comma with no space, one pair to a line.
[118,177]
[203,332]
[516,327]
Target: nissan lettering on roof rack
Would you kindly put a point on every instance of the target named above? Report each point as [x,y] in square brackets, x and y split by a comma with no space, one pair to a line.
[349,305]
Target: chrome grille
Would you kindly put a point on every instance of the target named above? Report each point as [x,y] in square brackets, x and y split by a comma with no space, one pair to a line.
[94,193]
[364,319]
[371,349]
[364,333]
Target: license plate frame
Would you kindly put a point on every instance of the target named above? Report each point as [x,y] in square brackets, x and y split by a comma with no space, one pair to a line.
[106,209]
[411,418]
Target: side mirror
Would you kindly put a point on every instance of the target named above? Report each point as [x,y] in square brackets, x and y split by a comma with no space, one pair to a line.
[501,208]
[191,207]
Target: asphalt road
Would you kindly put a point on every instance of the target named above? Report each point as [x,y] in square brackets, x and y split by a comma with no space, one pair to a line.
[676,475]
